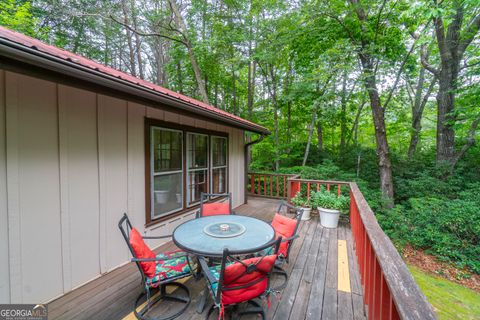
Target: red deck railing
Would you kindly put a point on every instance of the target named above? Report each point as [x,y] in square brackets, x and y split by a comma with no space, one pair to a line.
[270,185]
[389,290]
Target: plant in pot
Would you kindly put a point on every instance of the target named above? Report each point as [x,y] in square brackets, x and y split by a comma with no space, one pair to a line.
[161,189]
[329,206]
[304,203]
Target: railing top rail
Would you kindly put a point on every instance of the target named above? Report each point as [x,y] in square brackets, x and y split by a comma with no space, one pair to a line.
[409,300]
[274,174]
[344,183]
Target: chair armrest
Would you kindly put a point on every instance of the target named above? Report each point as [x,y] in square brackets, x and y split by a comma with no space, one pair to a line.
[206,270]
[157,237]
[290,238]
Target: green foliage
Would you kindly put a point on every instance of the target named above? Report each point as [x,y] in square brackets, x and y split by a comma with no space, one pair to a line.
[300,201]
[17,16]
[449,229]
[436,211]
[329,200]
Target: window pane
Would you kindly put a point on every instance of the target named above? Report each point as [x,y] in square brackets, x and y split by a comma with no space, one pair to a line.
[219,180]
[167,150]
[167,194]
[219,151]
[197,151]
[197,183]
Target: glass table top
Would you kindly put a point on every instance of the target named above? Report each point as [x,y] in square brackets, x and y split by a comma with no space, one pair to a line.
[210,235]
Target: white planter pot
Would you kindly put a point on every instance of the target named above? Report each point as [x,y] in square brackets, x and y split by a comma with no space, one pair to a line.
[306,213]
[328,217]
[161,196]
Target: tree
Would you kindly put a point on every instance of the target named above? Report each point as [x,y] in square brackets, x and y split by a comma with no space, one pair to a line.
[454,34]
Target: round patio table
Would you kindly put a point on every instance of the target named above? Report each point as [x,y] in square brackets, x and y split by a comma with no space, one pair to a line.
[208,236]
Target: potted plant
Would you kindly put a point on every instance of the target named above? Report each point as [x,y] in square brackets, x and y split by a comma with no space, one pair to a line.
[304,203]
[161,190]
[329,206]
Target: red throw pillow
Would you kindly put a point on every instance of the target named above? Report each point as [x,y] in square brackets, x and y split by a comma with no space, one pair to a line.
[142,251]
[235,276]
[216,208]
[284,227]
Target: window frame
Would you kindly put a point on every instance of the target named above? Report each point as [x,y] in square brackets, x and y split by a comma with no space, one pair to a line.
[149,125]
[188,170]
[212,167]
[153,174]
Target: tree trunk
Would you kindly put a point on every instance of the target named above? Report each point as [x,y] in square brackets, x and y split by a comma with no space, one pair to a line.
[275,120]
[196,69]
[138,43]
[417,111]
[369,78]
[445,119]
[343,113]
[131,52]
[452,45]
[252,66]
[383,153]
[310,134]
[319,136]
[234,93]
[180,77]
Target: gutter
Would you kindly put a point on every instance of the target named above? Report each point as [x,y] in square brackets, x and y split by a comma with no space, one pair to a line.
[22,53]
[245,152]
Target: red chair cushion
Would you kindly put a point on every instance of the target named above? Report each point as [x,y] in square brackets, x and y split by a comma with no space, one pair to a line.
[284,227]
[235,275]
[214,209]
[142,251]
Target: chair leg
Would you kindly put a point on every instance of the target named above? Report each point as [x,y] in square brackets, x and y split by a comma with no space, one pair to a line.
[280,272]
[163,296]
[256,309]
[210,311]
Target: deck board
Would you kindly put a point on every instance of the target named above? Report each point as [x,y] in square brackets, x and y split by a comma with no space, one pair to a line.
[311,291]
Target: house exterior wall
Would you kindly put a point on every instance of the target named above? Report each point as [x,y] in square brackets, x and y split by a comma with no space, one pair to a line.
[71,163]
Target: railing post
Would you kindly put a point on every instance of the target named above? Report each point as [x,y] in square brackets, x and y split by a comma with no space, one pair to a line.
[293,187]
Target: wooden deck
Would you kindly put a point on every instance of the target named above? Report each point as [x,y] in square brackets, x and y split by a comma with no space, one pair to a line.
[319,266]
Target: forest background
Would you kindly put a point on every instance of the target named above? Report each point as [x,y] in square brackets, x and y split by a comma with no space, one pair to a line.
[384,93]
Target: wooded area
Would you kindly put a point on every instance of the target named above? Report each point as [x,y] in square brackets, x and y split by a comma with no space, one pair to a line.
[382,92]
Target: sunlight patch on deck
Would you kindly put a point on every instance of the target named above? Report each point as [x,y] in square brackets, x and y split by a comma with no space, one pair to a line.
[343,270]
[131,315]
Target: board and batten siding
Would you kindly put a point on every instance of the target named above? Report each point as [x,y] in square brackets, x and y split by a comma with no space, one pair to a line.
[71,162]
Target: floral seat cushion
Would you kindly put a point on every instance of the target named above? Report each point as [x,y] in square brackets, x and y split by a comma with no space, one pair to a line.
[168,267]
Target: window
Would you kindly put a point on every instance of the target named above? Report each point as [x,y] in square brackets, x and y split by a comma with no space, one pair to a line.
[182,163]
[197,170]
[167,178]
[219,164]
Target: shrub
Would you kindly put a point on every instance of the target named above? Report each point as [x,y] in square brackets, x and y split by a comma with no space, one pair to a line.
[300,201]
[329,200]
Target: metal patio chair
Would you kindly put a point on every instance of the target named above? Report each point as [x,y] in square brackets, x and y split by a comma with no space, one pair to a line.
[287,228]
[207,208]
[241,277]
[158,271]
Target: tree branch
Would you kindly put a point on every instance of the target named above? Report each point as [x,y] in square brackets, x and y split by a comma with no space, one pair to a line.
[397,79]
[426,64]
[470,141]
[469,34]
[147,34]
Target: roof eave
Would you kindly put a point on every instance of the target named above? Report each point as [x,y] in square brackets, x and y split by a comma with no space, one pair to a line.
[28,55]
